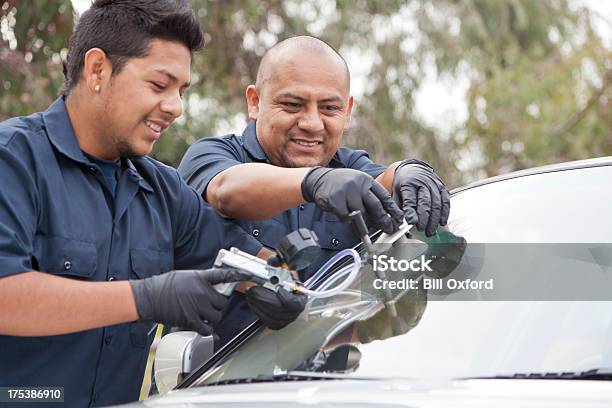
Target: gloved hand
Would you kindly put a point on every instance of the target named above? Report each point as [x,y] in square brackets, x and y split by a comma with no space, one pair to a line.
[422,195]
[342,191]
[275,309]
[185,299]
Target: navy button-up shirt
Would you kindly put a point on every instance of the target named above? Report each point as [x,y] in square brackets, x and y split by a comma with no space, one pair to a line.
[209,156]
[58,215]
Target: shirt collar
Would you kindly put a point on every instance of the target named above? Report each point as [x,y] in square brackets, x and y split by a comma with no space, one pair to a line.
[252,145]
[133,172]
[335,162]
[60,131]
[62,137]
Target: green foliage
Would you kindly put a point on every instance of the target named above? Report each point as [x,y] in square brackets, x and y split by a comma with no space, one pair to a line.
[34,38]
[537,101]
[539,78]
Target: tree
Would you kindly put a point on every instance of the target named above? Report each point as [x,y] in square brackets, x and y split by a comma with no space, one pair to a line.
[539,76]
[34,40]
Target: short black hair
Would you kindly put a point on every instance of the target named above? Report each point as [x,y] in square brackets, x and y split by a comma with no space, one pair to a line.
[123,29]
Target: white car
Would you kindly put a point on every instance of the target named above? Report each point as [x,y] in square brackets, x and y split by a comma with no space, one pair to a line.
[542,336]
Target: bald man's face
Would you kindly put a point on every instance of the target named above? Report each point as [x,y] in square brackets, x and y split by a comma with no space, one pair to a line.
[302,109]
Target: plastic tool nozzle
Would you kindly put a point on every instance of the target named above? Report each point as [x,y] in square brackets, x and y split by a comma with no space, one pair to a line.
[361,229]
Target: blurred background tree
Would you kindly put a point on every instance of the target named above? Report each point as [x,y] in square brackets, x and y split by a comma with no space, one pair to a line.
[534,78]
[34,36]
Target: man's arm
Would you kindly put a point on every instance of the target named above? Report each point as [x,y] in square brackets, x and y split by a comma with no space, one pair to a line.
[233,191]
[219,170]
[260,191]
[386,177]
[35,303]
[255,191]
[39,304]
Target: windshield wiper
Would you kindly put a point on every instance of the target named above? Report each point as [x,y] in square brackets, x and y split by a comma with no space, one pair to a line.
[289,376]
[600,374]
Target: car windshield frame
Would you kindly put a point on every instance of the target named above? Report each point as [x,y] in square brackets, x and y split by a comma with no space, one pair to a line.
[257,325]
[254,328]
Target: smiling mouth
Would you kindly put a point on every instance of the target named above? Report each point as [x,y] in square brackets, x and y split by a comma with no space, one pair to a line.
[153,126]
[306,143]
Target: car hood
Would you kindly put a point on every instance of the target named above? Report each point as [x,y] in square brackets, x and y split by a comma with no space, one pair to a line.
[394,393]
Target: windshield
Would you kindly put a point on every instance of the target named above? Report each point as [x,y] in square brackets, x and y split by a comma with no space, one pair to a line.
[439,334]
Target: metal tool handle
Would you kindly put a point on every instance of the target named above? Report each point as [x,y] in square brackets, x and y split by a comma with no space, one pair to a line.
[225,289]
[356,218]
[259,271]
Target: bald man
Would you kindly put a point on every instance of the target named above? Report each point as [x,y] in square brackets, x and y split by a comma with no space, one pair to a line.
[287,170]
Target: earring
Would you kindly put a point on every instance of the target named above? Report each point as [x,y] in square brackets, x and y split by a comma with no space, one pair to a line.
[97,88]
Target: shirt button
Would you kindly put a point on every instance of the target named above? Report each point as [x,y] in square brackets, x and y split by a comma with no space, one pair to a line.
[67,265]
[335,242]
[108,340]
[255,232]
[302,207]
[112,278]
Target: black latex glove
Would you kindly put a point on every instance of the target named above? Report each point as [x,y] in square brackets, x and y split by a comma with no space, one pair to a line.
[422,195]
[342,191]
[185,299]
[275,309]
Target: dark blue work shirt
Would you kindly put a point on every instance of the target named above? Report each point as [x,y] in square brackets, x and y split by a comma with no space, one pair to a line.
[55,217]
[209,156]
[109,169]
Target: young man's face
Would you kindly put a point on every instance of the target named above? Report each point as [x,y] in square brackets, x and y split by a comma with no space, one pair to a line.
[145,98]
[302,109]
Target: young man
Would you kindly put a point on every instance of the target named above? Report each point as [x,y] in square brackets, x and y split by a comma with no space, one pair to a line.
[89,225]
[287,169]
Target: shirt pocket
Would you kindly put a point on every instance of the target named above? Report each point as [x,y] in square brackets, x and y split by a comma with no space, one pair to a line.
[334,234]
[268,232]
[67,257]
[146,262]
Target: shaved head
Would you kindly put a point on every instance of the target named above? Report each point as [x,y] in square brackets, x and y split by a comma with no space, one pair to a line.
[293,48]
[301,102]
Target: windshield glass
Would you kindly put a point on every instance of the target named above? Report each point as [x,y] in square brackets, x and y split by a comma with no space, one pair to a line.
[439,334]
